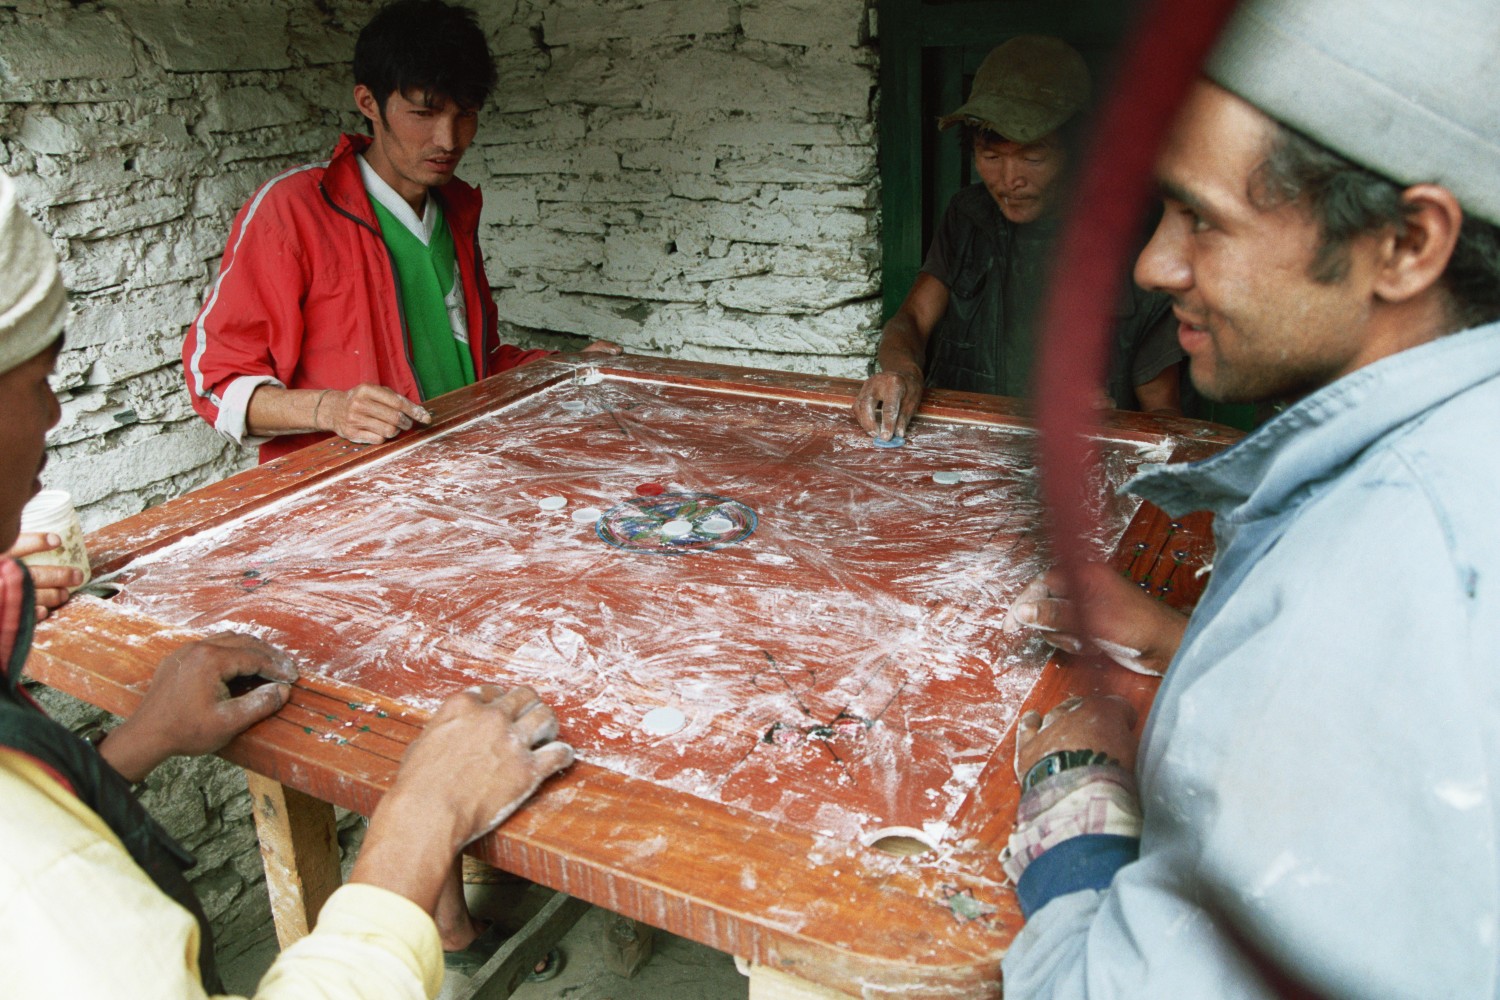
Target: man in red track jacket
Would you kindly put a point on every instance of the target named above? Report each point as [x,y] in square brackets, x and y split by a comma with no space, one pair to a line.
[313,325]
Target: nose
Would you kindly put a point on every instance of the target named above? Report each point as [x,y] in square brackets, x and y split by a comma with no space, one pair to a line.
[445,132]
[1163,265]
[1012,176]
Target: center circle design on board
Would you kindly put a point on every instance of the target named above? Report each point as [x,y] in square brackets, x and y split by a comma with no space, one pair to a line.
[674,523]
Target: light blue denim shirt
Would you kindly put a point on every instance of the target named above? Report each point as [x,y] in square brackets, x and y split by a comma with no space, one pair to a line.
[1318,771]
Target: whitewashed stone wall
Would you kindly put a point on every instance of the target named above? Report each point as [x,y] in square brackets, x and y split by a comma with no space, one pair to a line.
[134,131]
[688,177]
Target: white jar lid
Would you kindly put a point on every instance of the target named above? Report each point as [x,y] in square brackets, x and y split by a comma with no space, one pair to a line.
[45,509]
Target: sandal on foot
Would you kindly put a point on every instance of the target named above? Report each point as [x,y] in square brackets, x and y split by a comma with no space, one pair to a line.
[470,959]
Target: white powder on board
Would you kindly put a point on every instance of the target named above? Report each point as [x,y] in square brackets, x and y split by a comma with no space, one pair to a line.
[852,519]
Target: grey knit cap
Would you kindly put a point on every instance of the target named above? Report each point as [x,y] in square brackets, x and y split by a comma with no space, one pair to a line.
[33,304]
[1406,88]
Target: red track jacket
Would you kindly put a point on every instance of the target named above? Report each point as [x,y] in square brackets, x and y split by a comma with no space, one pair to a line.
[306,294]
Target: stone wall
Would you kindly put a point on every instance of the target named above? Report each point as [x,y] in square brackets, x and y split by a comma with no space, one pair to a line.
[690,177]
[134,131]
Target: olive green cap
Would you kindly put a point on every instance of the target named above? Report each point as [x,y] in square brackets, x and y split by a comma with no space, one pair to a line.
[1025,89]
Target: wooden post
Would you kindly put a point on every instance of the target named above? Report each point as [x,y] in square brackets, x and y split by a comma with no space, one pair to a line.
[768,984]
[627,945]
[300,850]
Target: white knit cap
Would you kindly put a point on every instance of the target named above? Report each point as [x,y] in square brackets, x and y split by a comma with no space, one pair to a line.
[33,303]
[1406,88]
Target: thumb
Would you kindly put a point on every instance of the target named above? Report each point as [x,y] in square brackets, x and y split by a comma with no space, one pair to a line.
[242,712]
[889,410]
[553,757]
[1022,612]
[416,411]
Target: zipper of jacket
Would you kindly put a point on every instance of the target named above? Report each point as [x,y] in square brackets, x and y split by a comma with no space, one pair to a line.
[395,283]
[486,306]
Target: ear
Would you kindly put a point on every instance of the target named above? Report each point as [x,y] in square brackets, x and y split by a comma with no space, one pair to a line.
[1413,259]
[365,103]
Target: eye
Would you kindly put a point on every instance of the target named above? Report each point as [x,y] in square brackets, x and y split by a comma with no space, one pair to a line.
[1196,223]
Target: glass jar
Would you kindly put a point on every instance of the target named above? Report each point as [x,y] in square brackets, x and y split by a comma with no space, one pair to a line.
[52,511]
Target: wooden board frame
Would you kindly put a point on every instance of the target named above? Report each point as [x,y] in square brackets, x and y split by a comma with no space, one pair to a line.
[934,927]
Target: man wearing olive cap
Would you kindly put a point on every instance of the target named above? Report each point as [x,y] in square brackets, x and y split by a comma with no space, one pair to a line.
[1311,807]
[969,321]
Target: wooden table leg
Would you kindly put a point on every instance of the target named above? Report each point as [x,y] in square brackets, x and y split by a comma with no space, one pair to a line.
[626,945]
[768,984]
[299,847]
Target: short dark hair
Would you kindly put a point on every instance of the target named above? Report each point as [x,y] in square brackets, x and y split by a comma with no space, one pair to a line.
[1347,200]
[428,46]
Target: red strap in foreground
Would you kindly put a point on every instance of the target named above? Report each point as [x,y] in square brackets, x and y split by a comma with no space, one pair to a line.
[1159,61]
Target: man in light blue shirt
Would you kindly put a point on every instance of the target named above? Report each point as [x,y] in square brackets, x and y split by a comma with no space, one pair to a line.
[1309,809]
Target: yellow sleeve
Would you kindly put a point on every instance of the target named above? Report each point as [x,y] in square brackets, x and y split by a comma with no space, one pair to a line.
[369,942]
[82,919]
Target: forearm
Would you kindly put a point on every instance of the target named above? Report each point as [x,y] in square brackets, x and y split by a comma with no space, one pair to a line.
[133,751]
[903,347]
[274,410]
[1074,830]
[1050,957]
[408,850]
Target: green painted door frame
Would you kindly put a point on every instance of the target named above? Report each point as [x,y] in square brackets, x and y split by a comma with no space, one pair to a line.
[929,50]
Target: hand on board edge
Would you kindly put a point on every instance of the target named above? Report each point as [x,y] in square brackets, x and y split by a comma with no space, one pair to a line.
[367,414]
[896,395]
[188,709]
[1135,631]
[482,755]
[1104,724]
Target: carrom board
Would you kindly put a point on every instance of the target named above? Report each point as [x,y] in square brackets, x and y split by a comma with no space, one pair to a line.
[727,591]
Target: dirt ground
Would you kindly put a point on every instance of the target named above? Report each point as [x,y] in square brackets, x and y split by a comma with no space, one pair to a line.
[678,968]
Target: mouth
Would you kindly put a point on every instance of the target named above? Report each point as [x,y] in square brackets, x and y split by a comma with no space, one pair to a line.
[1192,336]
[1017,207]
[443,164]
